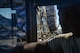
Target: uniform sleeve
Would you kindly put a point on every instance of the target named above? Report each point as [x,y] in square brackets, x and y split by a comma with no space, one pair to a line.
[55,45]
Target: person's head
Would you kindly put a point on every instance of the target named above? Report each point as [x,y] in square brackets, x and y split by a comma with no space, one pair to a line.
[70,20]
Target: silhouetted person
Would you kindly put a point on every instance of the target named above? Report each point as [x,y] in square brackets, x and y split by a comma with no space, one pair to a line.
[69,13]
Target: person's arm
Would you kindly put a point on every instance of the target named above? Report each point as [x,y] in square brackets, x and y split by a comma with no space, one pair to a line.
[34,47]
[40,47]
[53,45]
